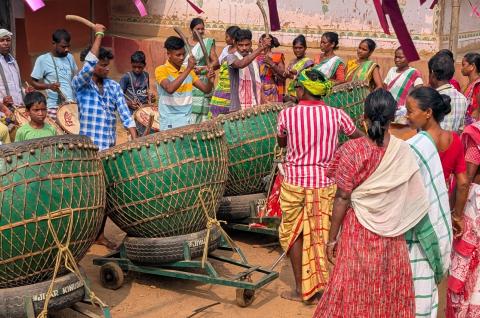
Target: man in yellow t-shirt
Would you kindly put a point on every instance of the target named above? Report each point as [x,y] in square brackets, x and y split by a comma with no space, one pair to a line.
[175,84]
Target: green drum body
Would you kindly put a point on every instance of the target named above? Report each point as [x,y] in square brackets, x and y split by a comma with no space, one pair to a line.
[351,98]
[251,136]
[49,187]
[156,184]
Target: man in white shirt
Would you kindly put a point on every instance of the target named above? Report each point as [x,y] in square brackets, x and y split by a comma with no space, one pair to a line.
[441,70]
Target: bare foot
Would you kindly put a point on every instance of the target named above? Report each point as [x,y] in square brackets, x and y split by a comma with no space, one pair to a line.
[291,295]
[107,243]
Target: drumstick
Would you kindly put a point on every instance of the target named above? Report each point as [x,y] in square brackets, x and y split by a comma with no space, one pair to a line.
[135,98]
[62,95]
[184,38]
[264,15]
[202,46]
[135,102]
[77,18]
[149,125]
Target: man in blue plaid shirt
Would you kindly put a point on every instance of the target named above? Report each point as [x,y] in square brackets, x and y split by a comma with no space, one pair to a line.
[99,97]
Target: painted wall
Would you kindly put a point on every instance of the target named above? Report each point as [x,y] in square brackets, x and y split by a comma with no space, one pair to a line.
[469,28]
[34,29]
[352,19]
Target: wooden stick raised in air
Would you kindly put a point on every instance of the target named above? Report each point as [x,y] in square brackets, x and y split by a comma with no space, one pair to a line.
[264,15]
[88,23]
[184,38]
[203,47]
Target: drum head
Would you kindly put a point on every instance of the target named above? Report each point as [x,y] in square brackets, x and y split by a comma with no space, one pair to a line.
[67,118]
[142,116]
[22,118]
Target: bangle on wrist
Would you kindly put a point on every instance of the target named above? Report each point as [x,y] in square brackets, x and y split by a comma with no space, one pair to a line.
[99,33]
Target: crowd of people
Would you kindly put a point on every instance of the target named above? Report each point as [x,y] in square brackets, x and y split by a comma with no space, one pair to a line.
[371,227]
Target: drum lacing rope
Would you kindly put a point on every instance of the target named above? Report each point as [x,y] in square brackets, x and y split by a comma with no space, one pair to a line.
[65,255]
[211,222]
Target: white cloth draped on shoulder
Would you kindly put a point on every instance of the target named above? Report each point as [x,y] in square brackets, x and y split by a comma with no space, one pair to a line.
[396,185]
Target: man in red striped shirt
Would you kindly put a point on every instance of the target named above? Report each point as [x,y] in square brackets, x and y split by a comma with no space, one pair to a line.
[310,132]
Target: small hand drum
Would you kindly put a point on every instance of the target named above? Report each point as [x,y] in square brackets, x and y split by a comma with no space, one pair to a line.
[142,116]
[22,118]
[67,118]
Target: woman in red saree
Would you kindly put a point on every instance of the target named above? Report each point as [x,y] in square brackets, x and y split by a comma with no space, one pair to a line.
[372,275]
[463,294]
[471,69]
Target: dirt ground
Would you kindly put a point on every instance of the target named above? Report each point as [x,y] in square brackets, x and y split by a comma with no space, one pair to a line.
[146,296]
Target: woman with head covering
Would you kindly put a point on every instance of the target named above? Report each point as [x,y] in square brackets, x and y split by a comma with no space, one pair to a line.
[310,132]
[363,69]
[298,64]
[201,100]
[380,196]
[272,67]
[328,63]
[471,69]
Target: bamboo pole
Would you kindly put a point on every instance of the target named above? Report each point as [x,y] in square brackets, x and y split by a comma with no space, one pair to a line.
[454,27]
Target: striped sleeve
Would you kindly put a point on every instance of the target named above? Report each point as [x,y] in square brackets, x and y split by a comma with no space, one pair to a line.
[346,123]
[281,125]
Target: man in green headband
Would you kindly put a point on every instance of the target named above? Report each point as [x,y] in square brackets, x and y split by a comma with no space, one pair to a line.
[314,83]
[310,132]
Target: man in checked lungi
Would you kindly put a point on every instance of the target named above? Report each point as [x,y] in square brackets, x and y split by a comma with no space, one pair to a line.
[99,97]
[310,132]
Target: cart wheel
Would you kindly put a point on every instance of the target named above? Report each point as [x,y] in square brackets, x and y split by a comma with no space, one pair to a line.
[111,276]
[245,297]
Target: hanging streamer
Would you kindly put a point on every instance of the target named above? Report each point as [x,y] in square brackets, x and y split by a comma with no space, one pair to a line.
[195,7]
[140,7]
[35,4]
[273,13]
[392,9]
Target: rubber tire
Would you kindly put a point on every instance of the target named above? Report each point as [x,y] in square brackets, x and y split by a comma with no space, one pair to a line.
[237,208]
[111,276]
[12,303]
[169,249]
[244,297]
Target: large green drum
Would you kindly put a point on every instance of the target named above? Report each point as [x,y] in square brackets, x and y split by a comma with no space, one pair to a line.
[351,98]
[251,136]
[46,185]
[156,184]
